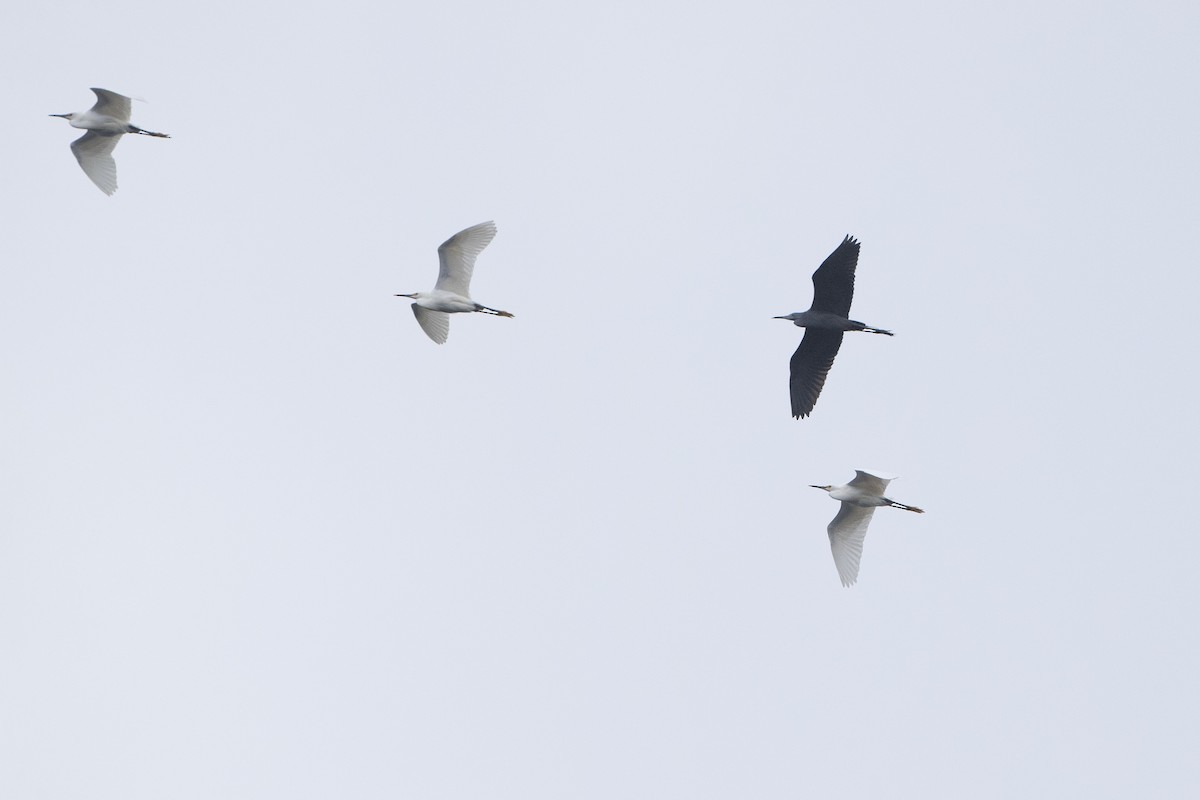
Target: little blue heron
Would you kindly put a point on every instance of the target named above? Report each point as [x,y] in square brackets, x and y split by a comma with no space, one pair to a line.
[824,323]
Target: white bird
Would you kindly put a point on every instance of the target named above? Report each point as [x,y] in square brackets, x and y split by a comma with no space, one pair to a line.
[860,497]
[105,123]
[451,294]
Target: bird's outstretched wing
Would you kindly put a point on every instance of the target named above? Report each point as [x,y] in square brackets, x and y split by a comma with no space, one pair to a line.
[112,104]
[871,484]
[833,282]
[846,535]
[457,256]
[93,151]
[810,365]
[436,324]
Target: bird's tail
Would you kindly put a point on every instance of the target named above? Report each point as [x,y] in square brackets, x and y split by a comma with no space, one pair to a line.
[906,508]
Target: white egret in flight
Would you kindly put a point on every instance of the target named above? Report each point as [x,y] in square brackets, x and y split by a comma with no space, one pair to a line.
[105,123]
[824,323]
[451,293]
[860,497]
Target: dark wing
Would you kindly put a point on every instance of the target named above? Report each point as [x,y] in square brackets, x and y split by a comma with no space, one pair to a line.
[833,282]
[810,365]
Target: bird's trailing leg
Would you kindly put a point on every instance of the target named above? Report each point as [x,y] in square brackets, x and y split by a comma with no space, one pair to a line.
[495,311]
[855,325]
[894,504]
[135,129]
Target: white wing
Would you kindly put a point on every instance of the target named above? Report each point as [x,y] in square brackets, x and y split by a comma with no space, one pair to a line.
[112,104]
[846,535]
[435,323]
[457,256]
[93,151]
[870,484]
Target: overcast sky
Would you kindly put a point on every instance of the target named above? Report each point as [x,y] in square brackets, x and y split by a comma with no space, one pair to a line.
[261,538]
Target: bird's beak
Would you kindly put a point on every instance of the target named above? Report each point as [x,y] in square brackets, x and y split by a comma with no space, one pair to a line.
[778,317]
[64,116]
[814,486]
[404,295]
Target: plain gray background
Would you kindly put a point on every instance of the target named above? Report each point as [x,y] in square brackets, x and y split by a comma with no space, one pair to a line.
[263,539]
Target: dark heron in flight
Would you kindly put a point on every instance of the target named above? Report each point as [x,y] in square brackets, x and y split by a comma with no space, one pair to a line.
[825,322]
[860,497]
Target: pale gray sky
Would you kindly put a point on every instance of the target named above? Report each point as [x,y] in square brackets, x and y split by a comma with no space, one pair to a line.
[263,539]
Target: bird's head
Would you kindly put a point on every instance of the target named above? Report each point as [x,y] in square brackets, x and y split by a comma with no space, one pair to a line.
[822,488]
[791,317]
[64,116]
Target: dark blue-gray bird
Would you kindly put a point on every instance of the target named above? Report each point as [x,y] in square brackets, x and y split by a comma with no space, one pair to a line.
[825,322]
